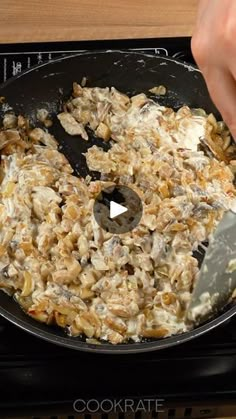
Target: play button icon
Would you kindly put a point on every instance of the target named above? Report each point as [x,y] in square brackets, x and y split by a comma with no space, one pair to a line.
[118,209]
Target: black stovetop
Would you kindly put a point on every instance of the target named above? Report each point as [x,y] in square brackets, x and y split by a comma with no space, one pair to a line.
[35,373]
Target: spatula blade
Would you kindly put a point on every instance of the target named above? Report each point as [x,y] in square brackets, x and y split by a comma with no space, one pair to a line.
[217,277]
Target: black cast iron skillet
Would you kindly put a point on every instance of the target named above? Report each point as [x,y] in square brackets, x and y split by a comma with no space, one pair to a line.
[46,86]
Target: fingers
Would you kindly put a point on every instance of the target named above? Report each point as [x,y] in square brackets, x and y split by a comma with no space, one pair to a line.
[202,6]
[222,88]
[214,49]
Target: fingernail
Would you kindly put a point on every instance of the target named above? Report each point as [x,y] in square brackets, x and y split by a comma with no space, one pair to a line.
[233,133]
[232,129]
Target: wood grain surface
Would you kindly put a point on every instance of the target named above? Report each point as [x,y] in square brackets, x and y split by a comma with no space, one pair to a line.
[58,20]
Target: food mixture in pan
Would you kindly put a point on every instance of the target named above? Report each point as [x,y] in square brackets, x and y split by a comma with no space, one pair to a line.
[56,261]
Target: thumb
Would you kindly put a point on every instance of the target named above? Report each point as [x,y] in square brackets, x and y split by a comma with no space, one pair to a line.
[222,89]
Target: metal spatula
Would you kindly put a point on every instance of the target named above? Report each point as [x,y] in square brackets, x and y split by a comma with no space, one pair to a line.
[217,277]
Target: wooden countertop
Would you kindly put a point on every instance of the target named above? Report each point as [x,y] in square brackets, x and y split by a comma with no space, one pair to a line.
[65,20]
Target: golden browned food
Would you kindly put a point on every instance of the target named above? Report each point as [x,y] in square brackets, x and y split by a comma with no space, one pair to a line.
[55,259]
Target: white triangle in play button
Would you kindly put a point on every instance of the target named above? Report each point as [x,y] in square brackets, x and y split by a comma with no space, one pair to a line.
[116,209]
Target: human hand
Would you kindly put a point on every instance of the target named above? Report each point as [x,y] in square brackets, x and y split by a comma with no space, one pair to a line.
[214,49]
